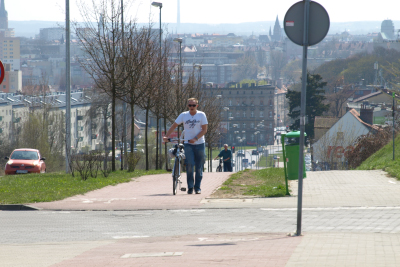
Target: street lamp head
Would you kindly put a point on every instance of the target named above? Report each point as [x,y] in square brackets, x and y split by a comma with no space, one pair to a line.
[198,66]
[218,96]
[157,4]
[226,108]
[230,118]
[179,40]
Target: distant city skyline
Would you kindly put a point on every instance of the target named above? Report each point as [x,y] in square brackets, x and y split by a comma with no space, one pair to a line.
[208,11]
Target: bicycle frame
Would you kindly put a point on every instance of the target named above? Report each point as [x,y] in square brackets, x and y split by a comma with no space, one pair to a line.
[176,170]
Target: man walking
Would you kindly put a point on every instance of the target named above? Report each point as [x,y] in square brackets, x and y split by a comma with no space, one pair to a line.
[195,125]
[226,155]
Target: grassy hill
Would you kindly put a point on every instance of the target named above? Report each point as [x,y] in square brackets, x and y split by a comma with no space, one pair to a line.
[383,159]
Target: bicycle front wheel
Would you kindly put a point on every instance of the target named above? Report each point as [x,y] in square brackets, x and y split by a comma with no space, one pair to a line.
[219,169]
[175,177]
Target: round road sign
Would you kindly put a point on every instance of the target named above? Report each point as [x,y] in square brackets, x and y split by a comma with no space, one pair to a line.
[318,25]
[2,72]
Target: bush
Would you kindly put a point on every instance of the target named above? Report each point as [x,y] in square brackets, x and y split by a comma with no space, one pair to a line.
[367,145]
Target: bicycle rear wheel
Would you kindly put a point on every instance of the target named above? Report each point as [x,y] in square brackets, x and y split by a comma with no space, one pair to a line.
[175,177]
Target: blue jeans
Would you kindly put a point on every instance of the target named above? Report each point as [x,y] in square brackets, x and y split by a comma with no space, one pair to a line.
[195,157]
[227,166]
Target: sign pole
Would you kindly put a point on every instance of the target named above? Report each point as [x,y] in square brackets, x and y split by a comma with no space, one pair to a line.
[302,116]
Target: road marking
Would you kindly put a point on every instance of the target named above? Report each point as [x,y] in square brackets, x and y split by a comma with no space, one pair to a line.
[198,211]
[335,208]
[227,200]
[157,254]
[130,237]
[104,200]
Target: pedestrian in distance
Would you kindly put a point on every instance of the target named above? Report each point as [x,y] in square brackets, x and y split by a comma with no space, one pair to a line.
[195,125]
[226,155]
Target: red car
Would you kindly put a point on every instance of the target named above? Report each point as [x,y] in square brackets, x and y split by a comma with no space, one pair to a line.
[25,160]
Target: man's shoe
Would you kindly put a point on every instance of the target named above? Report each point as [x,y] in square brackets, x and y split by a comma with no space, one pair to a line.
[190,191]
[198,191]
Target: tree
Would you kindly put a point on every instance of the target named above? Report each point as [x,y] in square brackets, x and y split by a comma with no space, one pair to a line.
[106,56]
[314,104]
[247,67]
[337,96]
[292,71]
[278,61]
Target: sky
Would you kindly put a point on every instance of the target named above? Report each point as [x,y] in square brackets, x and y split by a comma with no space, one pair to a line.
[208,11]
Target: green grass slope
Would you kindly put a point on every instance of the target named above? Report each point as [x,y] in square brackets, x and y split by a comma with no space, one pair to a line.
[383,160]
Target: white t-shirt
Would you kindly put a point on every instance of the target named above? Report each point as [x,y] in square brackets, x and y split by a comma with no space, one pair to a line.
[192,125]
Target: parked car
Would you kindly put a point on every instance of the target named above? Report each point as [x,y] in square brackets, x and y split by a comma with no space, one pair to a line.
[240,153]
[25,160]
[254,152]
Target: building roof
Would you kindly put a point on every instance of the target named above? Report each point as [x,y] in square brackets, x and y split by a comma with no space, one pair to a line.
[357,116]
[367,96]
[324,122]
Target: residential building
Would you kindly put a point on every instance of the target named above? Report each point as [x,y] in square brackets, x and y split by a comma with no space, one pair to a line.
[10,51]
[51,34]
[12,82]
[330,149]
[247,108]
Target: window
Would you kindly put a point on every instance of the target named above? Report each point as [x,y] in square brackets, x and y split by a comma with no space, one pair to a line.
[261,102]
[251,92]
[252,114]
[229,92]
[230,114]
[270,114]
[252,137]
[238,114]
[261,114]
[238,125]
[244,125]
[244,114]
[244,92]
[252,125]
[230,102]
[237,92]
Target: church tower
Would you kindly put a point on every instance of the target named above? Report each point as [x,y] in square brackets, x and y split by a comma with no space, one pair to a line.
[277,31]
[3,16]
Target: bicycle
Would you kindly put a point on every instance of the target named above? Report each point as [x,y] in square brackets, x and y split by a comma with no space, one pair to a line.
[179,154]
[219,168]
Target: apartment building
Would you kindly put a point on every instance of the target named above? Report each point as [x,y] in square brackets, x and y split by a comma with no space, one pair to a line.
[245,110]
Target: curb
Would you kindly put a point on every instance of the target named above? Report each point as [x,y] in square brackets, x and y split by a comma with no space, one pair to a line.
[16,207]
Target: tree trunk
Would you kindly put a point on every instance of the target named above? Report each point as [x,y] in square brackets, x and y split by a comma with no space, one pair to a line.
[165,146]
[105,138]
[132,126]
[146,137]
[113,129]
[157,136]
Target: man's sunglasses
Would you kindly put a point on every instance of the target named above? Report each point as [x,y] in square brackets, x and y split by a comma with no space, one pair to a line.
[191,105]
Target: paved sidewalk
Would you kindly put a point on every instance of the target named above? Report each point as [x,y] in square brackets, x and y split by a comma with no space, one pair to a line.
[146,192]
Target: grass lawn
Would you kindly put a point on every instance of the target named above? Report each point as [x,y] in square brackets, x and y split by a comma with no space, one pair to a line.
[30,188]
[268,182]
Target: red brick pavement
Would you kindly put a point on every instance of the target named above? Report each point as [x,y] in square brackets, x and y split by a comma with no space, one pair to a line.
[146,192]
[210,250]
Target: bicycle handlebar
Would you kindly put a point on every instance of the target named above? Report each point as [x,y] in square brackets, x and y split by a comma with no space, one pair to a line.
[177,139]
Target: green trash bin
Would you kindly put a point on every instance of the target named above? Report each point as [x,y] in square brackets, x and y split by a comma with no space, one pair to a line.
[291,155]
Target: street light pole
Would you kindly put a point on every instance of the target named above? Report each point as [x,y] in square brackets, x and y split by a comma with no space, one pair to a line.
[67,90]
[160,5]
